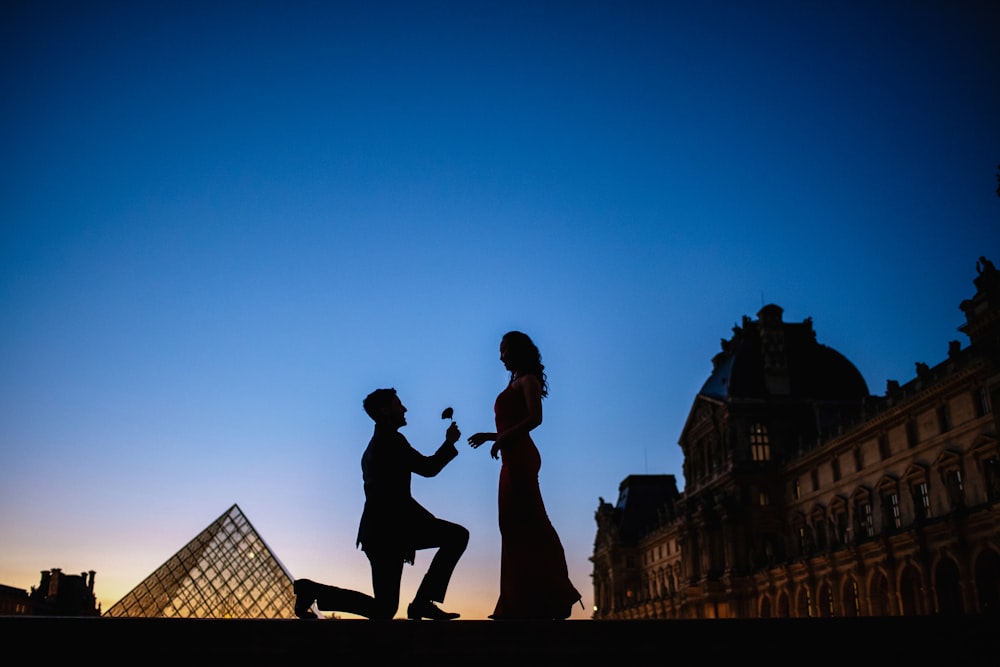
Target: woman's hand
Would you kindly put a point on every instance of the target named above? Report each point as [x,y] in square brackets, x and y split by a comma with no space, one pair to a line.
[477,439]
[499,441]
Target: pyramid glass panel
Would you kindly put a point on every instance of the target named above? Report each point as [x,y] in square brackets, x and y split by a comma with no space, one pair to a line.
[227,571]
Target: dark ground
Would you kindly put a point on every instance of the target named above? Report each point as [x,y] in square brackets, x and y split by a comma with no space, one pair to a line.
[951,641]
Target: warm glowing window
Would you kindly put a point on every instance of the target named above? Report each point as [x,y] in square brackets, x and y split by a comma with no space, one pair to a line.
[760,444]
[807,600]
[855,598]
[828,601]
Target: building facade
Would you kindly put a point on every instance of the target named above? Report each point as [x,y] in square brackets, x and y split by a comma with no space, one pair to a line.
[61,594]
[807,496]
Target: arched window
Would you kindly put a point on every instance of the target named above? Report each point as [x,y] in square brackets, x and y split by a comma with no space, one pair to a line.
[879,595]
[765,606]
[947,588]
[783,606]
[910,600]
[804,602]
[988,582]
[851,598]
[824,601]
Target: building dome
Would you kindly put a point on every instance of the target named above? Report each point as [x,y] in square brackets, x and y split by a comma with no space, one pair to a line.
[770,358]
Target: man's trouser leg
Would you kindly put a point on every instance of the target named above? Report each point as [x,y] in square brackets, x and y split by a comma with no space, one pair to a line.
[451,540]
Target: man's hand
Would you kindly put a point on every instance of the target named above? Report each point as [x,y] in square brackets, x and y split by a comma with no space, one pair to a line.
[452,435]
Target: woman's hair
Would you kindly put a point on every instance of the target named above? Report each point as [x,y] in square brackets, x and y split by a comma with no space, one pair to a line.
[525,357]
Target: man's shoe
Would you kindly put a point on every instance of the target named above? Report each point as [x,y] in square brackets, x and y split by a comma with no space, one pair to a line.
[305,595]
[418,610]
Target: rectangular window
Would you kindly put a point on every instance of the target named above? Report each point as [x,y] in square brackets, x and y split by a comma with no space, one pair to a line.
[991,470]
[859,462]
[912,435]
[835,464]
[764,499]
[814,478]
[842,534]
[944,418]
[922,500]
[883,446]
[956,489]
[796,490]
[867,524]
[981,400]
[760,445]
[891,504]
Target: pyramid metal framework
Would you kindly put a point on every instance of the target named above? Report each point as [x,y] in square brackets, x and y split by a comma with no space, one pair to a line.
[227,571]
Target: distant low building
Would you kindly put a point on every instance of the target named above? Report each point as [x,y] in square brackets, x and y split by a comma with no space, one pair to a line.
[806,496]
[61,594]
[14,601]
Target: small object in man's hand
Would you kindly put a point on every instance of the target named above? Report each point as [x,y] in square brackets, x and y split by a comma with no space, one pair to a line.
[448,412]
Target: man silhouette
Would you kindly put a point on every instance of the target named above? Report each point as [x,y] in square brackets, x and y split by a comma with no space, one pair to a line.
[394,525]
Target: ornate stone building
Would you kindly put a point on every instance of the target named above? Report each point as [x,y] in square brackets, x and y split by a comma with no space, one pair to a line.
[807,496]
[61,594]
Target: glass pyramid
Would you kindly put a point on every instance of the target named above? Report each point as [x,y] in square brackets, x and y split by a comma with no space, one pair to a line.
[225,572]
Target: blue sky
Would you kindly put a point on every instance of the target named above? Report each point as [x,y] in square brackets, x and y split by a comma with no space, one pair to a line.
[223,223]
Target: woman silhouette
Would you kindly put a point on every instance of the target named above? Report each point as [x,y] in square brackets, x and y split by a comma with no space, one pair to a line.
[534,581]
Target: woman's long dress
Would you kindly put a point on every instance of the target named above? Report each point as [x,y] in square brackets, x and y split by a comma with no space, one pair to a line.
[534,581]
